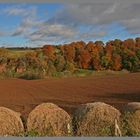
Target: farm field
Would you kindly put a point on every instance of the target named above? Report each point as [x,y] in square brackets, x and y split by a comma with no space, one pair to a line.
[23,95]
[70,69]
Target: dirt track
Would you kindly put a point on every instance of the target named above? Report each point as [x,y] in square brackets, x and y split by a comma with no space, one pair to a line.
[23,95]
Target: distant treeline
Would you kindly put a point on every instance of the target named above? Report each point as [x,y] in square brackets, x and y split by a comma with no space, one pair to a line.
[20,48]
[114,55]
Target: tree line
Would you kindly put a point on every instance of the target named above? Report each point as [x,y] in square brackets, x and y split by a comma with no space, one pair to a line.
[113,55]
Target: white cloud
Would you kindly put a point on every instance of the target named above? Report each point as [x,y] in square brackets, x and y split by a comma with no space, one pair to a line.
[26,26]
[100,14]
[52,32]
[37,30]
[20,11]
[29,19]
[89,35]
[65,25]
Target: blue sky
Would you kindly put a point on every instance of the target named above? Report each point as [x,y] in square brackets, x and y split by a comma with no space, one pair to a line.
[38,24]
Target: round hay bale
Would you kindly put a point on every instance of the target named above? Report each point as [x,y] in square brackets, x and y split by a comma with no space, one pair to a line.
[133,106]
[130,120]
[10,123]
[95,119]
[48,119]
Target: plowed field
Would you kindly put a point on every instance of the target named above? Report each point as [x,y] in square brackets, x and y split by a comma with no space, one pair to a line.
[23,95]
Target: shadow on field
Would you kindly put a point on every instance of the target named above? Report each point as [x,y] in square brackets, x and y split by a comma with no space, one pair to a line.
[131,97]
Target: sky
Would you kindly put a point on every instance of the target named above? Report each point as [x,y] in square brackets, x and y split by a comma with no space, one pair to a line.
[34,25]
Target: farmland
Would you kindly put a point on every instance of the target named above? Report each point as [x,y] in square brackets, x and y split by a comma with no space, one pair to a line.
[115,89]
[93,78]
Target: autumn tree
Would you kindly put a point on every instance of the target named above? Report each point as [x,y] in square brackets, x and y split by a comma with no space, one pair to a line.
[60,63]
[107,58]
[95,50]
[49,51]
[137,42]
[79,44]
[85,58]
[129,59]
[99,43]
[90,46]
[117,62]
[79,47]
[117,43]
[69,53]
[129,44]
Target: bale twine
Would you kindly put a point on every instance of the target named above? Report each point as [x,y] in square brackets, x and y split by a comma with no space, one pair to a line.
[48,119]
[95,119]
[10,123]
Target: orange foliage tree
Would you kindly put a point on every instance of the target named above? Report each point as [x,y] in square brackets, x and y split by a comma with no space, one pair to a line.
[49,51]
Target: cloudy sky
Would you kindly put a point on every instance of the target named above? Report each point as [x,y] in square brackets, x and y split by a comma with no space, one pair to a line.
[38,24]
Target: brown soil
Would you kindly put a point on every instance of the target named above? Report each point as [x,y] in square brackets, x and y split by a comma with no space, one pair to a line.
[23,95]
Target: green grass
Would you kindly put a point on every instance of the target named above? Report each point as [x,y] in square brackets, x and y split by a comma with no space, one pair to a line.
[108,72]
[32,133]
[83,73]
[18,53]
[31,75]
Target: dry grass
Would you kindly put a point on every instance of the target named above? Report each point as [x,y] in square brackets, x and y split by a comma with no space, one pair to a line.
[91,119]
[95,119]
[130,123]
[10,123]
[48,119]
[130,120]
